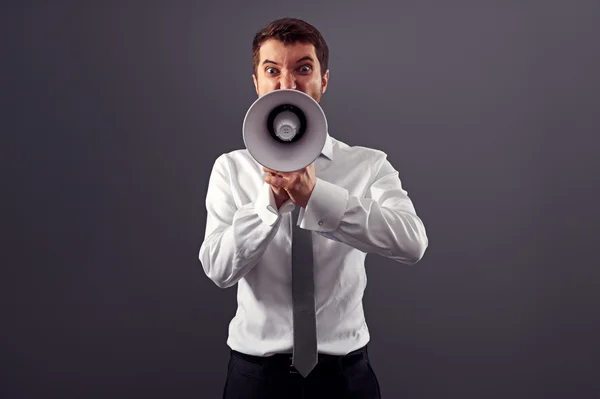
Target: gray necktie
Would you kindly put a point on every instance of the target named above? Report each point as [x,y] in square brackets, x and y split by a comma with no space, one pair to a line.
[303,297]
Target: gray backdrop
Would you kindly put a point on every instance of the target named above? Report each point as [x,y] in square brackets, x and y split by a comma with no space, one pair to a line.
[114,112]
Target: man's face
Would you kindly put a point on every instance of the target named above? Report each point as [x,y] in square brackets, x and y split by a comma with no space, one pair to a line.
[294,66]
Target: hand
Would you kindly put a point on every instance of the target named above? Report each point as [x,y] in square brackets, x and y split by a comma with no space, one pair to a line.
[280,194]
[298,185]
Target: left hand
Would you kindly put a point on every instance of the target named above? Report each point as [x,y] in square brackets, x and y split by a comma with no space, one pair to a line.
[299,184]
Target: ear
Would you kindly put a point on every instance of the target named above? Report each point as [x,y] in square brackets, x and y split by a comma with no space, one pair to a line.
[255,83]
[325,81]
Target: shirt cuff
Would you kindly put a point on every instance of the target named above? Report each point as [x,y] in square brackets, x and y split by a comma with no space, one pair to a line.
[325,208]
[266,207]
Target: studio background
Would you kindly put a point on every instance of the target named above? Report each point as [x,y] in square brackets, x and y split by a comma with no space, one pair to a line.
[114,112]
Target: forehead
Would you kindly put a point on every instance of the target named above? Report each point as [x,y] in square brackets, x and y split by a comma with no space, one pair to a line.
[275,50]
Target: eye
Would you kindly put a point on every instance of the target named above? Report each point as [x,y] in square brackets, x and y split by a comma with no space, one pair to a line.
[305,68]
[271,70]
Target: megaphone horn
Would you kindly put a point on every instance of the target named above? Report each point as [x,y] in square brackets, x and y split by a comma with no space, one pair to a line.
[285,130]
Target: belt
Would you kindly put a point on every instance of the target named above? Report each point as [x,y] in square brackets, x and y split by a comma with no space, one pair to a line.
[285,359]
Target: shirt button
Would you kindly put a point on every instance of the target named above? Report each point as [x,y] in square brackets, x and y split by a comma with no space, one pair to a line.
[320,223]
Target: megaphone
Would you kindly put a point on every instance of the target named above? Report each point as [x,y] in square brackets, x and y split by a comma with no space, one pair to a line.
[285,130]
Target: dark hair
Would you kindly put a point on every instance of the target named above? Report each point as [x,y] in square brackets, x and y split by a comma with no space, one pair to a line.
[290,31]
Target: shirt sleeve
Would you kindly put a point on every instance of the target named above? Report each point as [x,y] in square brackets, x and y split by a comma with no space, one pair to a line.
[384,221]
[235,238]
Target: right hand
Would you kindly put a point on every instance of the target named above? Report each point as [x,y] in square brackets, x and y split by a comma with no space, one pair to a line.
[279,193]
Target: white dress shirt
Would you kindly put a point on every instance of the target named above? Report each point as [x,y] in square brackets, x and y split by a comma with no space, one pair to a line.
[358,206]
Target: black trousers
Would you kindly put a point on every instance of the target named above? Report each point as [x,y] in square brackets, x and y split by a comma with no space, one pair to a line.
[273,377]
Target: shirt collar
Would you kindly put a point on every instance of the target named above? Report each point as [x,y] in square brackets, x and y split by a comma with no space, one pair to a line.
[328,148]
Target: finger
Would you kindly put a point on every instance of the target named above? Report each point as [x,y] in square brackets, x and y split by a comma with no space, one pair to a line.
[276,181]
[278,173]
[271,171]
[273,181]
[274,174]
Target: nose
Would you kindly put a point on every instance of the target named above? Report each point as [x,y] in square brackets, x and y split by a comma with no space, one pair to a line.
[288,81]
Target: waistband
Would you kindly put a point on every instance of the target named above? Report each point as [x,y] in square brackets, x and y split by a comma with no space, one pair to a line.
[285,359]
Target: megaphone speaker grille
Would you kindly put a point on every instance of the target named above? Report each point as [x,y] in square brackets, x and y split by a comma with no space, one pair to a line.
[286,123]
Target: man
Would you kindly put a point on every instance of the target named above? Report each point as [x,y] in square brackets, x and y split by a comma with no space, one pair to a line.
[352,201]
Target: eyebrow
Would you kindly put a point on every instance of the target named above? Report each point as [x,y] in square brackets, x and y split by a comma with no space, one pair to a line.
[305,58]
